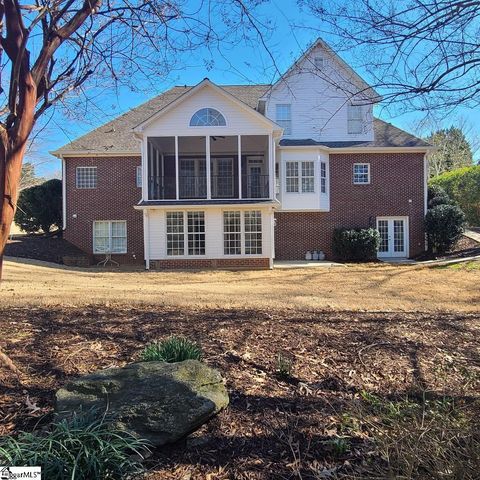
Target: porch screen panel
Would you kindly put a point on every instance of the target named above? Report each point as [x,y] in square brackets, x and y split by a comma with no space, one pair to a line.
[161,168]
[224,166]
[192,160]
[255,166]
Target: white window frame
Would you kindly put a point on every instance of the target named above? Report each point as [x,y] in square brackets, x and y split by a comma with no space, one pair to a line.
[300,177]
[138,176]
[323,177]
[243,234]
[282,119]
[109,249]
[354,119]
[186,234]
[86,186]
[356,182]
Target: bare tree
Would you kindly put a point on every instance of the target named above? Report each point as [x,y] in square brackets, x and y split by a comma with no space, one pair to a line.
[422,54]
[52,49]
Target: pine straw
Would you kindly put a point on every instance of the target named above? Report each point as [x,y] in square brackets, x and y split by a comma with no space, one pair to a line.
[273,428]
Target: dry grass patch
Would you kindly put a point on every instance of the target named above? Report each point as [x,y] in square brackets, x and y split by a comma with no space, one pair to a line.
[372,287]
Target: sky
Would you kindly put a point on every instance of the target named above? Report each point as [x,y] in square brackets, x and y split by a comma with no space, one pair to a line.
[293,30]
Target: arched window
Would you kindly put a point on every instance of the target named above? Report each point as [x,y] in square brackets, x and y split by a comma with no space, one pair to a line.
[207,117]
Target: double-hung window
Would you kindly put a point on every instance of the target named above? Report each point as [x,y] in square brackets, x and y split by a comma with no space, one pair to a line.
[361,173]
[355,119]
[323,177]
[283,116]
[242,232]
[189,240]
[138,176]
[86,177]
[300,177]
[109,236]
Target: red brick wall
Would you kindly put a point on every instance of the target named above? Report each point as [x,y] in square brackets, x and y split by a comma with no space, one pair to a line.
[395,179]
[199,263]
[113,199]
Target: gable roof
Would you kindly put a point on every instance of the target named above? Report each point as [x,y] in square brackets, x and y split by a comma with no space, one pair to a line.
[385,135]
[117,136]
[374,95]
[206,82]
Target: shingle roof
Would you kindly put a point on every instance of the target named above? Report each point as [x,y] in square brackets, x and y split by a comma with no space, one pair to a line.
[385,135]
[117,136]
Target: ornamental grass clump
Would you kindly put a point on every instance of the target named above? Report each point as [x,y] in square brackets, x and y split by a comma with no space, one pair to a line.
[81,448]
[171,350]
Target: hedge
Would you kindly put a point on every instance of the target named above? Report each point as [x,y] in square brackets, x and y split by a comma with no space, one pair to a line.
[357,244]
[463,187]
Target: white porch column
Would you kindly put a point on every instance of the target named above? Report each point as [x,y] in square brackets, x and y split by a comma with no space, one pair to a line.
[145,169]
[239,166]
[146,239]
[177,183]
[271,167]
[208,168]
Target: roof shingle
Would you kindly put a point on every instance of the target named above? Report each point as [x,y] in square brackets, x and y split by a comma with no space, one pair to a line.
[117,136]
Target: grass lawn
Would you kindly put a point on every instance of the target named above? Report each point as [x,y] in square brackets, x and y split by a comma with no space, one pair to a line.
[385,363]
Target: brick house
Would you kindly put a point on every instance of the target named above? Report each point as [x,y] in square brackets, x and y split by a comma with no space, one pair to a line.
[237,175]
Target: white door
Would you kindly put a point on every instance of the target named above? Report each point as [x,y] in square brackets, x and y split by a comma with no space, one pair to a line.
[393,236]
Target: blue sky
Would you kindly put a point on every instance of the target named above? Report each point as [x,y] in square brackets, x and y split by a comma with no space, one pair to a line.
[293,30]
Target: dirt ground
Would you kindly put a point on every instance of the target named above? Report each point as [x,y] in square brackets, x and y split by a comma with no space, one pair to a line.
[273,428]
[371,287]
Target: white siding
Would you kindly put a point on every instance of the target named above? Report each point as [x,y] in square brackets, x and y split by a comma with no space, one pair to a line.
[304,201]
[319,101]
[176,121]
[213,232]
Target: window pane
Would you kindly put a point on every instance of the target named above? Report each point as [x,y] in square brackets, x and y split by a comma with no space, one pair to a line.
[196,233]
[323,177]
[207,117]
[253,233]
[86,177]
[138,178]
[109,237]
[232,242]
[291,177]
[355,119]
[283,117]
[308,177]
[361,173]
[175,233]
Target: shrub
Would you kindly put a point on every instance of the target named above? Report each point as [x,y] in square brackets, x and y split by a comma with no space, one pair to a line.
[438,196]
[40,207]
[463,187]
[444,226]
[171,350]
[359,244]
[82,448]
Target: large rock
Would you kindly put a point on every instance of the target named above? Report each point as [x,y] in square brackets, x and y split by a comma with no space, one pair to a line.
[159,401]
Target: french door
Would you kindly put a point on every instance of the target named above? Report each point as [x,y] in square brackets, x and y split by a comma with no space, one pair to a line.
[393,236]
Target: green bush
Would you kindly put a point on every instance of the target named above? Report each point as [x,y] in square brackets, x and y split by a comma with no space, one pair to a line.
[463,187]
[444,226]
[438,196]
[359,244]
[40,207]
[82,448]
[171,350]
